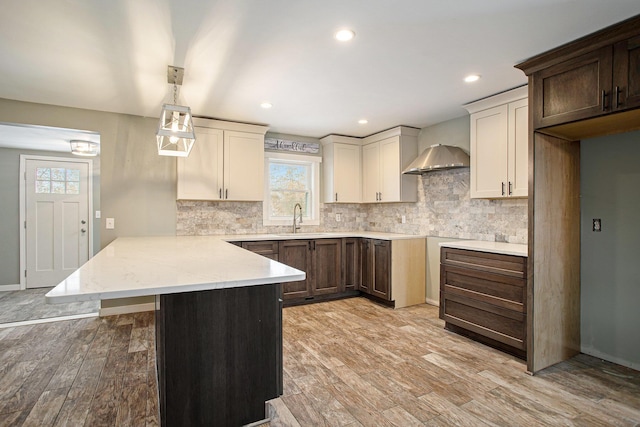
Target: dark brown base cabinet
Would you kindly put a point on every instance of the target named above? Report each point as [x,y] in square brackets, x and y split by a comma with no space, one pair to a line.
[376,268]
[483,296]
[321,259]
[351,266]
[219,355]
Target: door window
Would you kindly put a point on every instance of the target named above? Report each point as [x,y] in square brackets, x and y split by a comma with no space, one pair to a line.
[57,181]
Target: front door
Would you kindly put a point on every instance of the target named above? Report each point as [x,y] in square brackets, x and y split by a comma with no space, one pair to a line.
[56,220]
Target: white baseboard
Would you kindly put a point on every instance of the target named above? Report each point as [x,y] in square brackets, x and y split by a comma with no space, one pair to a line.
[433,302]
[127,309]
[9,288]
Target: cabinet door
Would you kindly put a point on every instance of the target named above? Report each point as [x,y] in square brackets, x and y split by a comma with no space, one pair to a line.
[200,175]
[296,254]
[351,269]
[382,269]
[576,89]
[366,263]
[346,175]
[266,248]
[489,153]
[518,149]
[626,78]
[327,260]
[244,166]
[390,172]
[370,172]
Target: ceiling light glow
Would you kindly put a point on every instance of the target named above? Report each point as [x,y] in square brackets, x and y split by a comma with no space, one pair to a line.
[266,105]
[472,78]
[345,35]
[363,121]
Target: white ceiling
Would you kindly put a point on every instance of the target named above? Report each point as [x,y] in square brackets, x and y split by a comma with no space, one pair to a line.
[405,65]
[42,137]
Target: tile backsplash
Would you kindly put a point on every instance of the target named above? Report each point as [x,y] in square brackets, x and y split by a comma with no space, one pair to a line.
[443,209]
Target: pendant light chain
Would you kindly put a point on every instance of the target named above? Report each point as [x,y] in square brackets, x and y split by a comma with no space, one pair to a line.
[175,86]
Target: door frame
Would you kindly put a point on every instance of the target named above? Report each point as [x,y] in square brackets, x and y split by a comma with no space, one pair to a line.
[23,205]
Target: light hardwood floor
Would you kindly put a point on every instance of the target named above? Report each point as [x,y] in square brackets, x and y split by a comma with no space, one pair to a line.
[346,363]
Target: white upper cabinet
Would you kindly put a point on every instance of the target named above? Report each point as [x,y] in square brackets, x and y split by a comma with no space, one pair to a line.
[499,145]
[342,169]
[384,157]
[226,163]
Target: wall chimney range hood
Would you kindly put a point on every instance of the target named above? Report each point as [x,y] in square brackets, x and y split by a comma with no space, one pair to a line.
[438,157]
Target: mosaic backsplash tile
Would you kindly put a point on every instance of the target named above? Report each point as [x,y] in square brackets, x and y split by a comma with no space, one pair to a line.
[443,209]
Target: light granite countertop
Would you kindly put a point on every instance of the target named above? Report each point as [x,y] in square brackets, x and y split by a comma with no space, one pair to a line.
[141,266]
[493,247]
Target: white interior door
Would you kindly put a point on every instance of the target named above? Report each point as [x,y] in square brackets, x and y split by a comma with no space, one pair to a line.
[56,220]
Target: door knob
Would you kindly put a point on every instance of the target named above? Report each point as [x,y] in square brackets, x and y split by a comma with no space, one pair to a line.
[83,230]
[83,222]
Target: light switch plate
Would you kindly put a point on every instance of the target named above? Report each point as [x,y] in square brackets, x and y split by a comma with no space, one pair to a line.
[404,219]
[98,214]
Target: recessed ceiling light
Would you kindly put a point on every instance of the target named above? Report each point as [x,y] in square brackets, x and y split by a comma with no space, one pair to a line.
[345,35]
[363,121]
[472,78]
[266,105]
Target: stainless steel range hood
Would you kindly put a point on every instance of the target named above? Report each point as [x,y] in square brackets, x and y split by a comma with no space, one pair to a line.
[438,157]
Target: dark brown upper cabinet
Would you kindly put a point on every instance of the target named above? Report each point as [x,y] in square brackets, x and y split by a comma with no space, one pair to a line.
[626,74]
[576,89]
[592,79]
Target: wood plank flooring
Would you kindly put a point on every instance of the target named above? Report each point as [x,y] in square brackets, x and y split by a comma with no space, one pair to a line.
[87,372]
[356,363]
[346,363]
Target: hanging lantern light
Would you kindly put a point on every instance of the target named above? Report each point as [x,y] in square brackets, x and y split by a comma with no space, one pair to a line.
[175,130]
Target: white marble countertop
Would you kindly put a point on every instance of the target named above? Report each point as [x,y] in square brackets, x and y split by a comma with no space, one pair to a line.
[141,266]
[319,235]
[494,247]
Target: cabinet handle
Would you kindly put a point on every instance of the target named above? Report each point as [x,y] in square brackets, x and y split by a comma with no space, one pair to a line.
[604,100]
[336,197]
[220,193]
[618,103]
[503,188]
[226,193]
[510,188]
[380,199]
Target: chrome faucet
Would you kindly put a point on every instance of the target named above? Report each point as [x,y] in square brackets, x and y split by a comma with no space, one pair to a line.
[296,226]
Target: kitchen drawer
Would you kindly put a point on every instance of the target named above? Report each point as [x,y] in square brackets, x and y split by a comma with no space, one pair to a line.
[510,265]
[497,323]
[500,290]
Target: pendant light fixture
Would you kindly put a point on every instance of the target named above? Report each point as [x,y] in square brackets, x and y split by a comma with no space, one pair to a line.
[175,130]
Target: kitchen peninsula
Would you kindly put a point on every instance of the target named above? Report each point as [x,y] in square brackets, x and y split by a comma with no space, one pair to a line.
[218,321]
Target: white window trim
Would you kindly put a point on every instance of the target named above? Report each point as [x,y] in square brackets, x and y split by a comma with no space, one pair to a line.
[315,185]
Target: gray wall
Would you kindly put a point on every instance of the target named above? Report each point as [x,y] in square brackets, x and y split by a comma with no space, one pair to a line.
[610,267]
[137,188]
[10,210]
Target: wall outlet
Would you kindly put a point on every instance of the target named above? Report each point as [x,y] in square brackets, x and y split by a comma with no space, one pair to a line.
[111,223]
[597,224]
[338,217]
[404,219]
